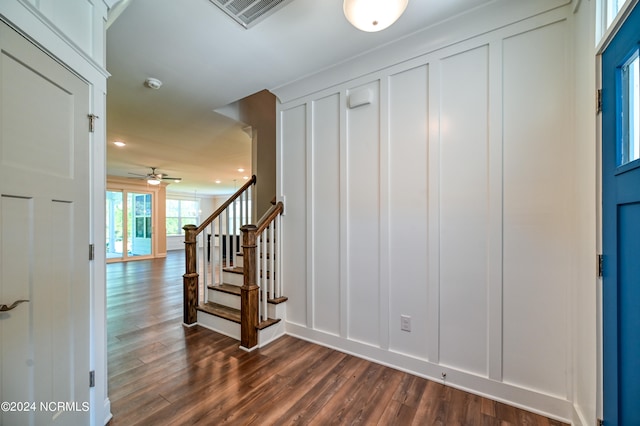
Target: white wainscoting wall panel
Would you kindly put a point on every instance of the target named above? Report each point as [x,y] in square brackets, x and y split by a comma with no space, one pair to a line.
[363,217]
[464,209]
[443,194]
[326,214]
[538,211]
[408,218]
[293,128]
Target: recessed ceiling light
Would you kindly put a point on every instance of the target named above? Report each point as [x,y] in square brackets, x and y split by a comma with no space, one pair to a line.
[245,177]
[119,143]
[218,181]
[241,170]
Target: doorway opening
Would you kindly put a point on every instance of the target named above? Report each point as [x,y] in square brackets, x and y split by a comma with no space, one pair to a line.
[129,227]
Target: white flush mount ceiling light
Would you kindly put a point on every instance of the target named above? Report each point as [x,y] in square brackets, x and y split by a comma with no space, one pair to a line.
[373,15]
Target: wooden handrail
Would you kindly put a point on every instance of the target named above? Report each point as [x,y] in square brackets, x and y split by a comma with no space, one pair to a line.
[269,216]
[224,206]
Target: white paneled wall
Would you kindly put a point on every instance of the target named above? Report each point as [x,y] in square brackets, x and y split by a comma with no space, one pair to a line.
[441,188]
[293,125]
[463,166]
[326,214]
[407,177]
[363,216]
[538,212]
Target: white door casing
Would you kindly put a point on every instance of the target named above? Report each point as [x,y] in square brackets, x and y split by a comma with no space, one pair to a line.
[44,237]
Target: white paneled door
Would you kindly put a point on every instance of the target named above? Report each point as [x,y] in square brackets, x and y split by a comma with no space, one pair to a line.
[44,238]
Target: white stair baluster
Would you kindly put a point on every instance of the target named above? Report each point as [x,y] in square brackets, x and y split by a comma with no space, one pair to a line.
[232,252]
[243,200]
[278,225]
[202,242]
[249,195]
[199,267]
[219,257]
[271,250]
[264,272]
[227,254]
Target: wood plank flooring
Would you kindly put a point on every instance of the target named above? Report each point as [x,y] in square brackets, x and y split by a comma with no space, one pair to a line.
[161,373]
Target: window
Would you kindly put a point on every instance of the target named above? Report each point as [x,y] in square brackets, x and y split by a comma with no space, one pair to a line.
[630,114]
[606,13]
[612,9]
[179,214]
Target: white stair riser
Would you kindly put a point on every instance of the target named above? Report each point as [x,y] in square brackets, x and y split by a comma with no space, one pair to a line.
[276,311]
[233,301]
[220,325]
[232,329]
[233,278]
[239,262]
[222,298]
[270,334]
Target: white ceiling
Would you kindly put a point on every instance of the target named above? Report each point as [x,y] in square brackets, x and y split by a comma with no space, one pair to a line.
[207,61]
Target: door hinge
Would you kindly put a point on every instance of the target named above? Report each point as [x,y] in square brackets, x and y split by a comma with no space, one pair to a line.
[599,422]
[600,265]
[599,101]
[91,251]
[92,122]
[92,379]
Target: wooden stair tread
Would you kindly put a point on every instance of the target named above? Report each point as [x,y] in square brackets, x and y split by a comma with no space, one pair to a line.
[227,288]
[221,311]
[237,291]
[240,271]
[268,255]
[268,322]
[234,269]
[278,300]
[232,314]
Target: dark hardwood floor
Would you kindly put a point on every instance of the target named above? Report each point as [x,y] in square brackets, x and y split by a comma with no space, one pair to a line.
[161,373]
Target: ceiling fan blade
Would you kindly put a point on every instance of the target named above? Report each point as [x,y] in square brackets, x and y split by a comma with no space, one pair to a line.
[155,176]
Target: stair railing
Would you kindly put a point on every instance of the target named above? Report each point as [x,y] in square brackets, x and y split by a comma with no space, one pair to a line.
[223,226]
[262,281]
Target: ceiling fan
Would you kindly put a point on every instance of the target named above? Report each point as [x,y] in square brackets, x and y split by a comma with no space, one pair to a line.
[155,178]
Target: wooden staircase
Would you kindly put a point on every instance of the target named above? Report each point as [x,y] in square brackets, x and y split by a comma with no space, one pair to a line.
[242,291]
[221,312]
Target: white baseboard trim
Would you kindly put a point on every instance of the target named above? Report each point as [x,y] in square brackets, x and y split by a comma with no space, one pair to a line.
[526,399]
[579,418]
[107,410]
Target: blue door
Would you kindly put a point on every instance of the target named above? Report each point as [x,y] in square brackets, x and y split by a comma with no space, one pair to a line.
[621,224]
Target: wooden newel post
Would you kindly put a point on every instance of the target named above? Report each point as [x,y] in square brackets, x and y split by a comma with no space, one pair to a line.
[249,291]
[190,278]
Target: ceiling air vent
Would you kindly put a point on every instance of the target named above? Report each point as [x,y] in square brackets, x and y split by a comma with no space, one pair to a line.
[249,12]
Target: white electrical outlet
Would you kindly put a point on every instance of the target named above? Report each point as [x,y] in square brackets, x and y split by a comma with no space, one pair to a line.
[405,323]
